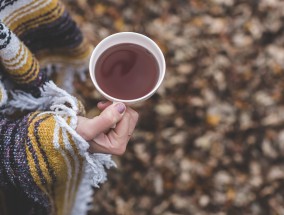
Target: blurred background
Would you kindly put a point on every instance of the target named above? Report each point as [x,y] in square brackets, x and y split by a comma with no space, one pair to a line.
[211,140]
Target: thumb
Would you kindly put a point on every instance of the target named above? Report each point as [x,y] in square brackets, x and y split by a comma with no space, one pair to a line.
[107,119]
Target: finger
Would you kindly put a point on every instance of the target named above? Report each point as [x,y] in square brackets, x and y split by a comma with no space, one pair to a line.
[133,113]
[102,144]
[121,130]
[103,104]
[109,117]
[115,141]
[98,145]
[96,148]
[133,119]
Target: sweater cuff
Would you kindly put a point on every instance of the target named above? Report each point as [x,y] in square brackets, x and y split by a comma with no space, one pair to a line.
[63,107]
[61,138]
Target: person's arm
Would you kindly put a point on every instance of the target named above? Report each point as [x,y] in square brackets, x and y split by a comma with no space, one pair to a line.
[18,63]
[53,156]
[42,157]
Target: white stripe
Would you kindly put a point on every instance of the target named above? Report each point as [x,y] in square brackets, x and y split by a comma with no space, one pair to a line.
[16,45]
[16,60]
[11,8]
[12,16]
[12,48]
[94,164]
[11,52]
[75,175]
[3,94]
[69,168]
[27,11]
[84,194]
[19,63]
[85,191]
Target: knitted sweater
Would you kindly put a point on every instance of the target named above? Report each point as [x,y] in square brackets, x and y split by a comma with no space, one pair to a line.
[44,164]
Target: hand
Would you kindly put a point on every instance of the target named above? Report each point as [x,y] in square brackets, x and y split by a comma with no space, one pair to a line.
[99,133]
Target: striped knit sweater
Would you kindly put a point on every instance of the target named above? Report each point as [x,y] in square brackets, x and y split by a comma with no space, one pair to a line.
[44,164]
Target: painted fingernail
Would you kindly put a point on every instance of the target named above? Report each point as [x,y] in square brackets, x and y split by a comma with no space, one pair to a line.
[120,107]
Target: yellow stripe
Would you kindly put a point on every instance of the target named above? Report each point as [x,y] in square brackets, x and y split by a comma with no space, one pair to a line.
[33,170]
[24,70]
[41,21]
[24,25]
[29,76]
[72,161]
[21,10]
[14,24]
[80,164]
[56,161]
[18,60]
[61,190]
[32,137]
[55,158]
[14,58]
[74,146]
[25,67]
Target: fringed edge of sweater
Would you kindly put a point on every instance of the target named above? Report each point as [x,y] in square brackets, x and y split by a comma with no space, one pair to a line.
[59,103]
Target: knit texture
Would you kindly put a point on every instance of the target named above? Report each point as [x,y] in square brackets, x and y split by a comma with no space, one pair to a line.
[45,167]
[47,36]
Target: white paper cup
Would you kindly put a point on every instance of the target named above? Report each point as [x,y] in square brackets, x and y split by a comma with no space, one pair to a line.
[134,38]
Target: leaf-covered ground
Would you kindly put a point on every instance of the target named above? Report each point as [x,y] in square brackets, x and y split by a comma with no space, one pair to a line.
[211,140]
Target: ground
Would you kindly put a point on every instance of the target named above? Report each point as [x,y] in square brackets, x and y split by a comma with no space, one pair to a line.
[211,140]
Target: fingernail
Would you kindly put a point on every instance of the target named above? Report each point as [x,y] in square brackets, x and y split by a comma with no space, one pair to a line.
[120,107]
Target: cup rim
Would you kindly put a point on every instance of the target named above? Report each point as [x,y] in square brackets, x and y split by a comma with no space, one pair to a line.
[162,70]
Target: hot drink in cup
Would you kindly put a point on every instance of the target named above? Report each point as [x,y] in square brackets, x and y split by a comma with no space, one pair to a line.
[127,67]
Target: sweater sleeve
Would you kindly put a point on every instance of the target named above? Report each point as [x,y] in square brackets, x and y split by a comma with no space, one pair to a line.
[43,157]
[39,38]
[15,170]
[18,63]
[37,160]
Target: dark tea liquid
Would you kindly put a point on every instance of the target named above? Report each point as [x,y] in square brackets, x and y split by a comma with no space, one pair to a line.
[127,71]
